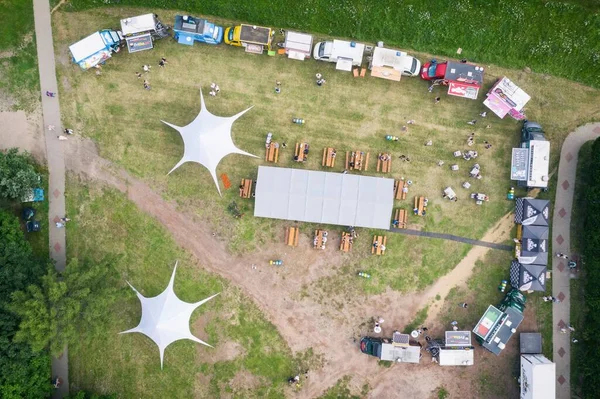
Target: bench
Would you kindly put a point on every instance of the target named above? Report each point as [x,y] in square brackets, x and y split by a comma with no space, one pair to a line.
[378,247]
[400,219]
[420,206]
[346,243]
[329,157]
[384,163]
[400,189]
[357,160]
[320,239]
[292,235]
[301,152]
[246,188]
[272,152]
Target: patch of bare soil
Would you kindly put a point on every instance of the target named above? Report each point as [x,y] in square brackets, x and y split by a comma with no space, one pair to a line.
[226,351]
[17,129]
[245,380]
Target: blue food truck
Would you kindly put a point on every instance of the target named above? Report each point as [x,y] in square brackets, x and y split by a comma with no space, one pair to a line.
[189,29]
[96,48]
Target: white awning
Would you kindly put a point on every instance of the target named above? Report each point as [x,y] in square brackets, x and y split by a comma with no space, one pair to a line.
[324,197]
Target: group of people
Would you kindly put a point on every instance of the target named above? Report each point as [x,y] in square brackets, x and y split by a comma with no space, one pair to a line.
[376,245]
[323,240]
[146,68]
[569,328]
[320,80]
[214,89]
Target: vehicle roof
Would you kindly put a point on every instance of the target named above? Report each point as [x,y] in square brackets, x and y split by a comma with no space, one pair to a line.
[539,163]
[390,352]
[463,72]
[193,25]
[141,23]
[456,357]
[391,58]
[87,46]
[344,49]
[255,34]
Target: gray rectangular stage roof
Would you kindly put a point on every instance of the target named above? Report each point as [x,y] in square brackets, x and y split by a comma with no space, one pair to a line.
[324,197]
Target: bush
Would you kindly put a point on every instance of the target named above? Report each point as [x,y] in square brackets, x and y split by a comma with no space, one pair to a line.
[17,174]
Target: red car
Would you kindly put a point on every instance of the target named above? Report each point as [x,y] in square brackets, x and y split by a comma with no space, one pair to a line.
[464,80]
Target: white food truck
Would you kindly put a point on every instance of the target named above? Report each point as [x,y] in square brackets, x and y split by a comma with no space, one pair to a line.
[344,54]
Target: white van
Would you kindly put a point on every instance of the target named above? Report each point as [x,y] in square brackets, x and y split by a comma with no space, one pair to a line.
[344,54]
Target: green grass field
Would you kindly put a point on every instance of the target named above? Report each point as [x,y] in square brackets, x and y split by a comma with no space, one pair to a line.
[554,37]
[347,113]
[249,358]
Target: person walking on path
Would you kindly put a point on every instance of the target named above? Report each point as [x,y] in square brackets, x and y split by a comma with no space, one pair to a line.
[65,219]
[563,330]
[60,225]
[50,93]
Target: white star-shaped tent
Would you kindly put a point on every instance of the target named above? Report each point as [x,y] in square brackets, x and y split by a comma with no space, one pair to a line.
[207,140]
[166,318]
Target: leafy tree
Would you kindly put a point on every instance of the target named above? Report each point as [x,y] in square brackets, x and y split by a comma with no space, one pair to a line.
[66,309]
[17,174]
[23,372]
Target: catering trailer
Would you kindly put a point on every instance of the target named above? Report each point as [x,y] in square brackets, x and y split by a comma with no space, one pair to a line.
[141,31]
[537,377]
[96,48]
[462,79]
[505,97]
[189,30]
[297,45]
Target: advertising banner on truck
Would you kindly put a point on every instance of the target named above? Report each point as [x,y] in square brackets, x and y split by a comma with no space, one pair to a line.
[139,43]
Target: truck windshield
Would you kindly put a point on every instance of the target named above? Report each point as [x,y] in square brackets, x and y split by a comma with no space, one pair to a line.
[230,35]
[413,68]
[321,50]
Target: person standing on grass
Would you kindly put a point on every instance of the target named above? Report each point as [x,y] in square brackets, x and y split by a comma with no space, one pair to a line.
[463,305]
[437,100]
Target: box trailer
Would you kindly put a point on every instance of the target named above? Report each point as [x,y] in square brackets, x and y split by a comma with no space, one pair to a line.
[538,376]
[298,45]
[344,54]
[140,32]
[96,48]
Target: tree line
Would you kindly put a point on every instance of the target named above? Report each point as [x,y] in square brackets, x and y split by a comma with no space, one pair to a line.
[41,310]
[590,339]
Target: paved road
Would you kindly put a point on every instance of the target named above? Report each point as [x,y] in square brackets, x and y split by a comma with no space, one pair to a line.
[561,240]
[55,158]
[450,237]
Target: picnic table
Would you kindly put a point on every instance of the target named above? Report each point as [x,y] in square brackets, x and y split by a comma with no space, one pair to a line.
[400,219]
[320,239]
[246,188]
[357,160]
[420,208]
[346,243]
[400,189]
[292,234]
[272,152]
[301,152]
[378,247]
[384,162]
[329,157]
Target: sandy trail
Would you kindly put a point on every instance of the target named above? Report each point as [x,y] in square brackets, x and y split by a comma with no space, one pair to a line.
[302,321]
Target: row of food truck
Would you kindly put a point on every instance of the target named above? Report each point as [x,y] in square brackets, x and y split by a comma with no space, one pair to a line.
[463,79]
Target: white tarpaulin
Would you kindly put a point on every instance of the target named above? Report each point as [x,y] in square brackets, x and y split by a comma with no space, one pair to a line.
[324,197]
[166,318]
[207,140]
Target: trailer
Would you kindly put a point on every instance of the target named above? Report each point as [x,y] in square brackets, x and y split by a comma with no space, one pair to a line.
[189,30]
[96,48]
[298,45]
[537,377]
[141,31]
[462,79]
